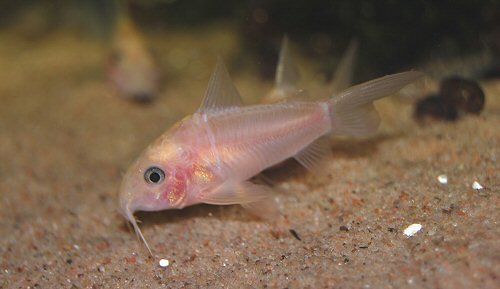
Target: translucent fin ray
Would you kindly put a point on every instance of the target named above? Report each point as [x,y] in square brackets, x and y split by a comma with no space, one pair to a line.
[375,89]
[242,193]
[342,79]
[221,91]
[287,73]
[315,154]
[266,209]
[352,111]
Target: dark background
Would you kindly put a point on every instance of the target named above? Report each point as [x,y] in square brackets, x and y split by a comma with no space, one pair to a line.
[393,35]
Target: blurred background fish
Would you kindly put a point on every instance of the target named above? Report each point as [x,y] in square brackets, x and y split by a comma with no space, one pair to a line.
[287,75]
[342,78]
[131,68]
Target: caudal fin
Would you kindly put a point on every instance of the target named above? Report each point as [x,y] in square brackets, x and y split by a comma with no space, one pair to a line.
[352,111]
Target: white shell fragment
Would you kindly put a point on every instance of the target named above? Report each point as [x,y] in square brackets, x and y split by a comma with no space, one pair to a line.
[412,230]
[443,179]
[164,263]
[477,186]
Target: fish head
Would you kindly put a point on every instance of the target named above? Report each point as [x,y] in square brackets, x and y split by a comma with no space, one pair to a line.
[156,181]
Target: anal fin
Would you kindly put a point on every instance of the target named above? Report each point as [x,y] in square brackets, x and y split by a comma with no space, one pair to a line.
[313,156]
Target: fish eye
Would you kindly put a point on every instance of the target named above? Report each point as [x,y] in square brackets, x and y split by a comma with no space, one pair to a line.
[154,175]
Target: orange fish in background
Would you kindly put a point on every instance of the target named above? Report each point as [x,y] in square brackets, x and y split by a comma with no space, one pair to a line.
[131,69]
[209,156]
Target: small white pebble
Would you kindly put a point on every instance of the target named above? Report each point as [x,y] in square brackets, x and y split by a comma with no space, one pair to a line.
[477,186]
[443,179]
[412,230]
[164,263]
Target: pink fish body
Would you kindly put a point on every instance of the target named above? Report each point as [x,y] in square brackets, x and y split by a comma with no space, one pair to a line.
[209,156]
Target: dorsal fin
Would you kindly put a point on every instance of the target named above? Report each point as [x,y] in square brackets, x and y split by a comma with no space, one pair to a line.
[221,91]
[287,73]
[342,79]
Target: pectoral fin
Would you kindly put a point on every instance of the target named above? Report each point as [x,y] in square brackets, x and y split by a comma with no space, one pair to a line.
[266,209]
[257,199]
[230,194]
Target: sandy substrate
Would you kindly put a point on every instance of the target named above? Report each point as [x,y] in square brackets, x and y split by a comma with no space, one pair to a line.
[66,138]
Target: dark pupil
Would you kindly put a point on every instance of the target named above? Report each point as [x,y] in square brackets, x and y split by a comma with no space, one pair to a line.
[154,177]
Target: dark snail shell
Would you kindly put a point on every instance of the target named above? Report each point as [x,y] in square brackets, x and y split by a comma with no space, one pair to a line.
[466,95]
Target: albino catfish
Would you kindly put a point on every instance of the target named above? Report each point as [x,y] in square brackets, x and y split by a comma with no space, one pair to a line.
[209,157]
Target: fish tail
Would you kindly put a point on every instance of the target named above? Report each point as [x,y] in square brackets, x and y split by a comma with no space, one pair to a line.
[352,112]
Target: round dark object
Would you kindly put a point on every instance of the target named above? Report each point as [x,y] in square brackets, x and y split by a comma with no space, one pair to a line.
[435,107]
[144,98]
[154,175]
[466,95]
